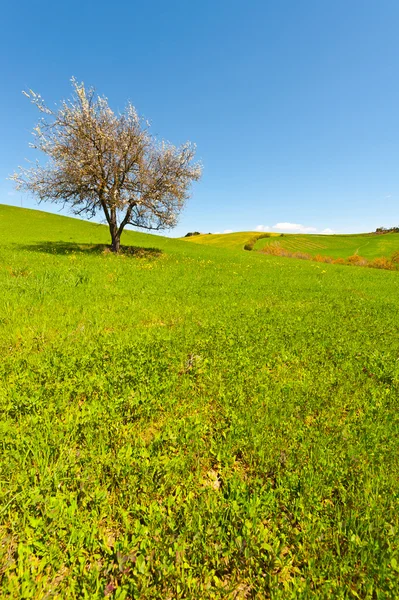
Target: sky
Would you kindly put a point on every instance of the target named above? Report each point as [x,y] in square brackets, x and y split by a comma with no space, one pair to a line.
[294,106]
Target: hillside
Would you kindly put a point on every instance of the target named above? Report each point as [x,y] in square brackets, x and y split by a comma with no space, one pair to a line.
[234,241]
[337,246]
[19,226]
[191,421]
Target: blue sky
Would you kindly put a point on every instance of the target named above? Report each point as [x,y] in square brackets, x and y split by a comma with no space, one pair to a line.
[294,106]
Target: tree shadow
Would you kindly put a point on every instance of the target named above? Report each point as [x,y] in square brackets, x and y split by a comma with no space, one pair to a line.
[63,248]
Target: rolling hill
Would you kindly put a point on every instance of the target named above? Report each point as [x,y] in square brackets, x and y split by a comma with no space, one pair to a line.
[337,246]
[234,241]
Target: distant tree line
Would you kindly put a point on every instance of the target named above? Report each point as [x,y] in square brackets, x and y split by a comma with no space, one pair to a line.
[382,230]
[191,233]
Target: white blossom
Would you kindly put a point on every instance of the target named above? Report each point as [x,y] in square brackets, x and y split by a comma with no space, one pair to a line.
[102,161]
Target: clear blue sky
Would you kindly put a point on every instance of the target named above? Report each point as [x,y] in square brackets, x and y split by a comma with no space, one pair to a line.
[294,106]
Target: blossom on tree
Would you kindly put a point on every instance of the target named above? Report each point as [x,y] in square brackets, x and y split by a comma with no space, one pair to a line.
[100,161]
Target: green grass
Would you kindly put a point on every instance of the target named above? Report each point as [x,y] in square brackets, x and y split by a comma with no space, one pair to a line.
[337,246]
[196,422]
[235,241]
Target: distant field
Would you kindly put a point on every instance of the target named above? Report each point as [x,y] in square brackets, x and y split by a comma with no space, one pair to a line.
[191,421]
[234,241]
[337,246]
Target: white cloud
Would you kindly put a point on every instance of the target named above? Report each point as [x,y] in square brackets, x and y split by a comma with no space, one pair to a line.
[262,228]
[294,228]
[327,231]
[228,231]
[217,233]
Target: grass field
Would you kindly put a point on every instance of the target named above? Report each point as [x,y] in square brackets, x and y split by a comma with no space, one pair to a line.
[337,246]
[191,421]
[235,241]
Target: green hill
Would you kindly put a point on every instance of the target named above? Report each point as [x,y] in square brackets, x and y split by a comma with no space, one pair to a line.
[19,225]
[234,241]
[337,246]
[189,421]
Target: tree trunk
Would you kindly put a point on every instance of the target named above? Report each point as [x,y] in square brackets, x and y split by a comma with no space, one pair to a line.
[115,234]
[116,243]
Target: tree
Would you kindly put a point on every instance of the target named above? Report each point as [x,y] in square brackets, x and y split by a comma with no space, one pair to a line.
[102,161]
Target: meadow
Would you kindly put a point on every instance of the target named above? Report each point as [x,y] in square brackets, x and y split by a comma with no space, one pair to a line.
[186,420]
[368,245]
[338,246]
[234,241]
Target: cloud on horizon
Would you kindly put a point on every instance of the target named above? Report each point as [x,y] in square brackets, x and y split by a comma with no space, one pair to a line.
[294,228]
[287,228]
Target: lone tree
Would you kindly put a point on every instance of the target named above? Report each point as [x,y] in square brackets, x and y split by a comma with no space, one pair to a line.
[102,161]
